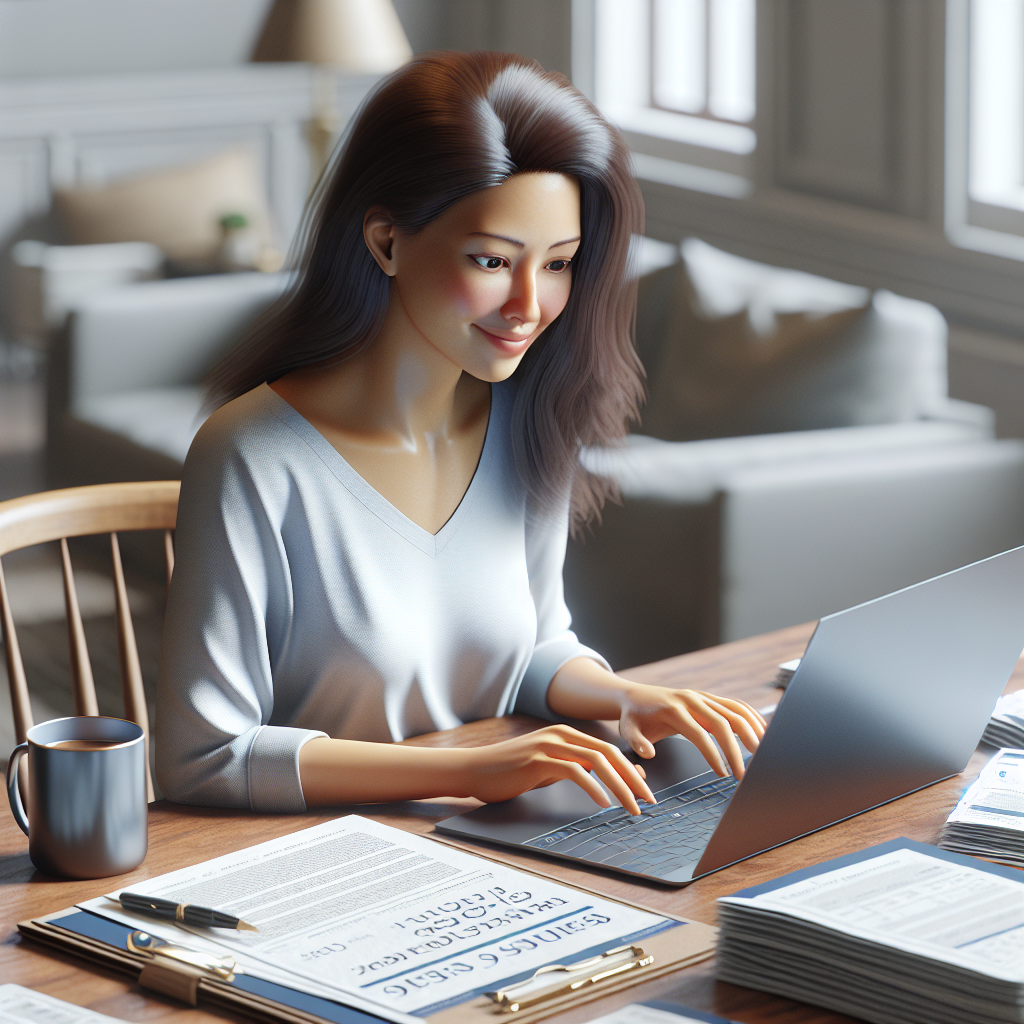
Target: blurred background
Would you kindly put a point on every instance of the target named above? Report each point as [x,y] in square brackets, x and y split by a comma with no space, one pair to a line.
[831,299]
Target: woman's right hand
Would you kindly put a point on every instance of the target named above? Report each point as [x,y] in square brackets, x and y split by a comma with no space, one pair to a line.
[503,770]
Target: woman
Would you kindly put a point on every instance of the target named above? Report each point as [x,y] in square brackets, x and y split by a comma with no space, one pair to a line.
[372,528]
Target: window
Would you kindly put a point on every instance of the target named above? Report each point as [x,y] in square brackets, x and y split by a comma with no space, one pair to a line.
[996,115]
[985,125]
[678,77]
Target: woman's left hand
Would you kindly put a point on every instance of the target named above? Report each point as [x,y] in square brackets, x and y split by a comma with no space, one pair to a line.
[582,688]
[650,713]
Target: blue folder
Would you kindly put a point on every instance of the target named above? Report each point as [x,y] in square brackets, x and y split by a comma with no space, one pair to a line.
[871,852]
[115,935]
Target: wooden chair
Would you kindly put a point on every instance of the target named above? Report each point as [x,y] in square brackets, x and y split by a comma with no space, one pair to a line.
[77,512]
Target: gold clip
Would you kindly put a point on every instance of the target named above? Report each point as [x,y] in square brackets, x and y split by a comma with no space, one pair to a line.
[223,967]
[572,977]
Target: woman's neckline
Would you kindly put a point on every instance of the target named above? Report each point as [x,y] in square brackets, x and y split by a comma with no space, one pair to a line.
[367,494]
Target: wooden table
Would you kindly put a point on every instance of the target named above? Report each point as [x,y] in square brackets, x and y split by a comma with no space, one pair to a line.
[180,836]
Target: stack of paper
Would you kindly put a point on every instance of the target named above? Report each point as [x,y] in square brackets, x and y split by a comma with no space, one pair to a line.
[989,820]
[786,672]
[899,933]
[1006,726]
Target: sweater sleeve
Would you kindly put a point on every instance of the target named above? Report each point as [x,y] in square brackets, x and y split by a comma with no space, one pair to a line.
[228,615]
[546,538]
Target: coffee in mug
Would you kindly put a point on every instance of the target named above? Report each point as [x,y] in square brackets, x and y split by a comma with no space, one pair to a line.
[87,812]
[82,745]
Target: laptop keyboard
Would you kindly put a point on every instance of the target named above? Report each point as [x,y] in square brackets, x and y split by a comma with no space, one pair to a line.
[674,831]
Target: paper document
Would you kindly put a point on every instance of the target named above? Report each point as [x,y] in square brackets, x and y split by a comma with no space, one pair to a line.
[989,819]
[23,1006]
[1006,726]
[914,903]
[372,914]
[997,796]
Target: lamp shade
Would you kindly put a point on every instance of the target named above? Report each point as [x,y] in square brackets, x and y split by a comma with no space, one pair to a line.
[360,36]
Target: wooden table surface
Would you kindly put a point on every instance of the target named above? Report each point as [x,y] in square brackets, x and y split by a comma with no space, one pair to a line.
[180,835]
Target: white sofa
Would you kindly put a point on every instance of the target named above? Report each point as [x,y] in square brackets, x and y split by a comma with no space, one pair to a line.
[726,537]
[714,540]
[721,539]
[125,380]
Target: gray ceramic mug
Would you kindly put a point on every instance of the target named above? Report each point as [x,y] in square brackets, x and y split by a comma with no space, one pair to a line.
[87,812]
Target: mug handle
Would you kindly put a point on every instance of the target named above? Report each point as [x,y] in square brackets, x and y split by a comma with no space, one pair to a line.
[13,793]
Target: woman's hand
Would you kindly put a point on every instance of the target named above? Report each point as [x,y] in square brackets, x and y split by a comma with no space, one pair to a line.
[503,770]
[650,713]
[583,689]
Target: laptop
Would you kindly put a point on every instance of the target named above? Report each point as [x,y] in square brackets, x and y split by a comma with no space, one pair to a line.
[890,696]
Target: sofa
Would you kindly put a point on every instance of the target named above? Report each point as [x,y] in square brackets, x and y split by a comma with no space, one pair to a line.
[849,471]
[715,537]
[125,378]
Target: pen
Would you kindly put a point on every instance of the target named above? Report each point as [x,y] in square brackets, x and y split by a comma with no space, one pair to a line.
[183,913]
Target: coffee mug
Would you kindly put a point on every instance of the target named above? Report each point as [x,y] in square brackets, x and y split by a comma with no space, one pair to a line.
[87,810]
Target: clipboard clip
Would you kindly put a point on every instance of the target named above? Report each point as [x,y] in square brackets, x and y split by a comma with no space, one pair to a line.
[223,967]
[176,971]
[561,979]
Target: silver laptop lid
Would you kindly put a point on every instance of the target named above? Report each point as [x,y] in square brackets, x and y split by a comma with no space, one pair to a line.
[890,696]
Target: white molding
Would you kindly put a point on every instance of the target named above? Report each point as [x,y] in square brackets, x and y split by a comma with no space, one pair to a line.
[58,132]
[688,154]
[264,103]
[874,61]
[691,176]
[161,100]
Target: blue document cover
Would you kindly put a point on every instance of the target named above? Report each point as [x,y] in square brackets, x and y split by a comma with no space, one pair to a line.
[114,934]
[1014,874]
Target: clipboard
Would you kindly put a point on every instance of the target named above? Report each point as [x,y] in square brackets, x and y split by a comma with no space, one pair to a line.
[670,951]
[105,942]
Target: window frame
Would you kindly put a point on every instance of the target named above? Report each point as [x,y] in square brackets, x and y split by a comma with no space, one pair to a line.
[969,222]
[690,150]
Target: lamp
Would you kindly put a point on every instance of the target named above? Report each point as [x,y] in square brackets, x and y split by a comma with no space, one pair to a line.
[354,36]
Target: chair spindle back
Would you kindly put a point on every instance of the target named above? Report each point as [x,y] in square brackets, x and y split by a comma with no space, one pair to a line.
[76,512]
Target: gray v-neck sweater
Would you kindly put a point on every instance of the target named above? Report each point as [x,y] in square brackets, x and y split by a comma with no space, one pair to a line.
[303,603]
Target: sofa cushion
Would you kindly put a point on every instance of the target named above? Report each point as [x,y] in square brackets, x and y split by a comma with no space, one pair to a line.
[749,348]
[50,279]
[162,333]
[693,472]
[178,209]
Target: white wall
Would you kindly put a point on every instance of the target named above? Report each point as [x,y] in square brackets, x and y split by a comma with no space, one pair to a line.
[988,368]
[43,38]
[541,29]
[46,38]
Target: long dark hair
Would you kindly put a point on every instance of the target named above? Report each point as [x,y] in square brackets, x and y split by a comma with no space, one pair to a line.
[442,127]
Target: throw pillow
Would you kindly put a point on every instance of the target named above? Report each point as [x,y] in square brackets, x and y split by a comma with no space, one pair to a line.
[178,209]
[750,349]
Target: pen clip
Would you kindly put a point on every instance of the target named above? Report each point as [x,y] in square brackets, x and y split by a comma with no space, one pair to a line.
[566,978]
[151,947]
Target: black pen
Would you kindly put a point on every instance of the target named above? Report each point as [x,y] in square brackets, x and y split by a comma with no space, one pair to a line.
[183,913]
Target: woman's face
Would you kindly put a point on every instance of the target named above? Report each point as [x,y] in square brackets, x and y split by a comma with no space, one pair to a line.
[482,281]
